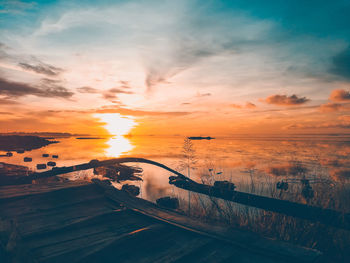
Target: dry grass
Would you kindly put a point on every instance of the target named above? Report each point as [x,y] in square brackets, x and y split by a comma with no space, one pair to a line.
[333,242]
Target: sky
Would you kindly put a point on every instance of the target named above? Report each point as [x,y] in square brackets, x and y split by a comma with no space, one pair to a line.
[182,67]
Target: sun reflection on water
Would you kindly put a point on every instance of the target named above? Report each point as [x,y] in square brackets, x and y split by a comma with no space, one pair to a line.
[117,146]
[117,125]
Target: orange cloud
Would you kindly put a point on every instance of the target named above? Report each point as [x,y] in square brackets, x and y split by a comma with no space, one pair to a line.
[345,118]
[285,100]
[236,106]
[331,107]
[340,95]
[248,105]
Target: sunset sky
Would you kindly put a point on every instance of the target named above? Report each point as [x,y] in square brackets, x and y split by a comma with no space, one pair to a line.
[175,67]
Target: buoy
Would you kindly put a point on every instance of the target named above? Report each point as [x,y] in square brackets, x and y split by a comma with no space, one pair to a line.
[27,159]
[41,166]
[51,164]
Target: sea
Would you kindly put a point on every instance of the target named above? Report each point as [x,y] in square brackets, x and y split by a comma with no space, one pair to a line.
[244,160]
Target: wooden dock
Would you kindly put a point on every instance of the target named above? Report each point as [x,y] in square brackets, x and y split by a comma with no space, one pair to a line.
[94,222]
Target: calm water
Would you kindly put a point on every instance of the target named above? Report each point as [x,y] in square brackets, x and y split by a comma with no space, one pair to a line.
[229,157]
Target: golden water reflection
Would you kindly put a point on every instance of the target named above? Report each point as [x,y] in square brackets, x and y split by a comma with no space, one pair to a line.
[117,146]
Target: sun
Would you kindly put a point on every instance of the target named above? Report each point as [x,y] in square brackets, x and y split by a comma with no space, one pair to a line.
[117,124]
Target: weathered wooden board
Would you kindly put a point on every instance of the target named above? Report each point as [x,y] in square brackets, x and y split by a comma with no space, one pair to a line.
[30,189]
[242,239]
[86,222]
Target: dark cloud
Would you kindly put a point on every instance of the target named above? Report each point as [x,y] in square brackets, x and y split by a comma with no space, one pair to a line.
[5,101]
[17,89]
[111,94]
[340,95]
[41,68]
[341,64]
[87,90]
[285,100]
[154,77]
[120,90]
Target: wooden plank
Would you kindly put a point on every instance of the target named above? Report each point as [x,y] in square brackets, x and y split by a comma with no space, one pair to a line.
[30,207]
[49,219]
[75,250]
[49,200]
[12,191]
[242,239]
[217,251]
[147,246]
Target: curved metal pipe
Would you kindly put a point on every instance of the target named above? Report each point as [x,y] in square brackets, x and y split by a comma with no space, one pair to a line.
[97,163]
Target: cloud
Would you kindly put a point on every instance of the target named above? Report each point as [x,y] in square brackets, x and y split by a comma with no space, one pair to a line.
[111,94]
[331,107]
[248,105]
[139,113]
[341,64]
[344,118]
[87,89]
[285,100]
[41,68]
[340,95]
[315,125]
[15,6]
[5,101]
[236,106]
[44,89]
[200,95]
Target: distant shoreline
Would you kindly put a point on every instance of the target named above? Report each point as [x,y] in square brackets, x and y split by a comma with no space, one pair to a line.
[24,143]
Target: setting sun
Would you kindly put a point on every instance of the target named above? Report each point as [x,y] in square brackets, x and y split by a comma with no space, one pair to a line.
[117,124]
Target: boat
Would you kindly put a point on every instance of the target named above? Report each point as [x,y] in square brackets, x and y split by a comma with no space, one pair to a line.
[200,138]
